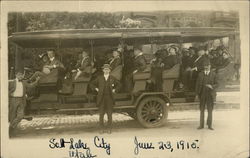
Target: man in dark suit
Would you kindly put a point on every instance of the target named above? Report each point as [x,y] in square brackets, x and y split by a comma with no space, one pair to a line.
[17,99]
[206,85]
[140,62]
[106,85]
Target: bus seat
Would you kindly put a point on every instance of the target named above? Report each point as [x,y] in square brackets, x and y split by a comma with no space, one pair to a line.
[52,77]
[81,84]
[117,72]
[226,73]
[140,79]
[169,77]
[171,73]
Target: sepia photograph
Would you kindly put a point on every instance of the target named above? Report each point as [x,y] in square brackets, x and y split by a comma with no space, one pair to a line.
[85,79]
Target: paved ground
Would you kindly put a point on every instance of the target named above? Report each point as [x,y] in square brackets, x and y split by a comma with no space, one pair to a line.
[228,140]
[229,100]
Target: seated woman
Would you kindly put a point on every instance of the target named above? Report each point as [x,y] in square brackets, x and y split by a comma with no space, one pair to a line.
[224,61]
[83,65]
[115,60]
[171,59]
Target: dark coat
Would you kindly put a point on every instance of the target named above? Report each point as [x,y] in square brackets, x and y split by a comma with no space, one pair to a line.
[199,63]
[99,83]
[57,63]
[188,61]
[223,63]
[212,80]
[140,63]
[170,61]
[85,62]
[115,62]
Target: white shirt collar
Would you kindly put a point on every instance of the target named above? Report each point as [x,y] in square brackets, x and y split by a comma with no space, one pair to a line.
[141,53]
[51,59]
[207,72]
[106,76]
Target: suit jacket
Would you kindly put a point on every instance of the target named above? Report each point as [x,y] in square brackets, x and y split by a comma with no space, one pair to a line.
[57,63]
[140,63]
[99,83]
[212,80]
[199,63]
[115,62]
[85,62]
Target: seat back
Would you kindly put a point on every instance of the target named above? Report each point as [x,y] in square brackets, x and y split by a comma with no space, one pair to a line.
[174,72]
[169,77]
[226,73]
[50,78]
[145,75]
[117,72]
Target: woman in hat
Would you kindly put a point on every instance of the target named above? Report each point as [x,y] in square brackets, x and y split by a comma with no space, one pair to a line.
[171,59]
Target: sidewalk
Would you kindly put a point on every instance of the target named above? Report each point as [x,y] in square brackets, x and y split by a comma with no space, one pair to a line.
[226,100]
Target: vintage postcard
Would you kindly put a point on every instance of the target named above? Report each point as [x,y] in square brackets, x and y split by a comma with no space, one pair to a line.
[124,79]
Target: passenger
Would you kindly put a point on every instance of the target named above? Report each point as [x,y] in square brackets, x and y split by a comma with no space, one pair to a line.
[197,66]
[157,67]
[115,60]
[128,70]
[187,64]
[171,59]
[53,62]
[140,63]
[82,65]
[226,60]
[198,63]
[49,64]
[213,59]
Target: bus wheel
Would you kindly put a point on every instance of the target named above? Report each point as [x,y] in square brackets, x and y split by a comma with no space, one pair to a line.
[151,112]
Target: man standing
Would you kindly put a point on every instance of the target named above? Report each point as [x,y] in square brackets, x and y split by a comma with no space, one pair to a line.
[206,85]
[17,101]
[106,86]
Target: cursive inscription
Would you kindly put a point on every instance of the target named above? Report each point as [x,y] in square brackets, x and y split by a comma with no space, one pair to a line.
[142,145]
[100,143]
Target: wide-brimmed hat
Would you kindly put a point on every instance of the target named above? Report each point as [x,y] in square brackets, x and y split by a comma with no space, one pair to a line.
[106,66]
[19,73]
[173,47]
[42,55]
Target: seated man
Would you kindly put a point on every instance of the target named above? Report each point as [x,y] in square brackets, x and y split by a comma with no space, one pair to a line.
[48,66]
[115,60]
[140,63]
[156,71]
[171,59]
[82,65]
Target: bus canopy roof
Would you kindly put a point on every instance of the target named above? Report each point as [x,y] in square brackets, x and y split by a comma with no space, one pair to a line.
[83,37]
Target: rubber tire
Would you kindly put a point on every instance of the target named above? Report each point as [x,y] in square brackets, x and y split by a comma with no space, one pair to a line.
[141,105]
